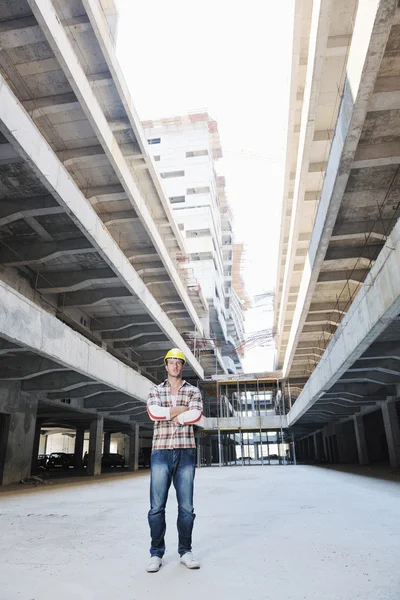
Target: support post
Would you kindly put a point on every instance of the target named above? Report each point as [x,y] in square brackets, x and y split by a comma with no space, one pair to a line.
[294,450]
[106,442]
[361,440]
[78,452]
[392,430]
[95,444]
[219,448]
[134,448]
[17,432]
[36,444]
[315,440]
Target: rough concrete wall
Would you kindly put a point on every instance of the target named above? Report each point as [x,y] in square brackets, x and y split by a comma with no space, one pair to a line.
[21,431]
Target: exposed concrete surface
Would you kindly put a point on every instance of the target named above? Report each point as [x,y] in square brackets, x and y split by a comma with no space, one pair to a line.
[289,533]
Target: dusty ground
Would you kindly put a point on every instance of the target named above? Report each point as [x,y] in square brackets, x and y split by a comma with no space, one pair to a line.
[287,533]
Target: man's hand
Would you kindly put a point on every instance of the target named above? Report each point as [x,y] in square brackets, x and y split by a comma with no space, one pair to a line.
[177,410]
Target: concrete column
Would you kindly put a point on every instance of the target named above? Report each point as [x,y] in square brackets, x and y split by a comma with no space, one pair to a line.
[78,453]
[95,444]
[392,430]
[341,445]
[361,440]
[310,448]
[329,447]
[17,432]
[325,447]
[107,442]
[36,444]
[315,440]
[134,448]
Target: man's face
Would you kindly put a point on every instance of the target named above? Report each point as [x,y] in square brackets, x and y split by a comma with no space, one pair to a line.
[174,367]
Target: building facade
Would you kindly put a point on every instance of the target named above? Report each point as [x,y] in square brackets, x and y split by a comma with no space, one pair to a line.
[185,150]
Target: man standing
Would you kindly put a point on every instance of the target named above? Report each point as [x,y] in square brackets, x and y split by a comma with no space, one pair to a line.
[174,406]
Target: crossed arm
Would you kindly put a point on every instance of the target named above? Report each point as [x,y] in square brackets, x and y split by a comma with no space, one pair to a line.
[184,415]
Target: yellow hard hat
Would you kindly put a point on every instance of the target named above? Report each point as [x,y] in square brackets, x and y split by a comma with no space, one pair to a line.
[175,353]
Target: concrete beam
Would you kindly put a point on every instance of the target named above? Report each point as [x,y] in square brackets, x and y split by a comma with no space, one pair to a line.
[383,101]
[323,317]
[356,275]
[369,251]
[93,297]
[49,105]
[8,347]
[338,45]
[20,32]
[377,155]
[120,323]
[319,32]
[386,365]
[99,80]
[371,31]
[83,392]
[140,254]
[24,367]
[8,155]
[72,155]
[19,129]
[15,254]
[244,423]
[329,305]
[109,400]
[116,218]
[66,281]
[21,208]
[46,16]
[371,229]
[67,380]
[140,340]
[323,135]
[370,376]
[105,193]
[382,350]
[28,325]
[130,333]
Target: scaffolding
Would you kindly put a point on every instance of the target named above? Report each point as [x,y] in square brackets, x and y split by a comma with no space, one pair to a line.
[239,438]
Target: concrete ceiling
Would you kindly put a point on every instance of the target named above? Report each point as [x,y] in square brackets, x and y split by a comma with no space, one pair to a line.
[44,248]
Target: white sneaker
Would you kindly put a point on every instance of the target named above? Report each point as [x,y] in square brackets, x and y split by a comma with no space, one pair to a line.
[189,561]
[154,564]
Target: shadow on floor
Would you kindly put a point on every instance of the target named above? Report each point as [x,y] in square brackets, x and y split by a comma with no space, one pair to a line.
[56,479]
[375,470]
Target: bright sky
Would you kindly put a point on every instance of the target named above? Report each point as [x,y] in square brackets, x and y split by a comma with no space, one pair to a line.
[233,60]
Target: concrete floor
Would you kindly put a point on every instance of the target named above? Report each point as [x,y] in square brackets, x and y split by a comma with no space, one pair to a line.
[287,533]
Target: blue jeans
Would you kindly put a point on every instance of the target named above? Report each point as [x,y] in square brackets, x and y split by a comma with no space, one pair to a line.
[177,466]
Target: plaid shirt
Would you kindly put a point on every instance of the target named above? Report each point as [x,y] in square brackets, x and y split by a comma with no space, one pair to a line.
[169,435]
